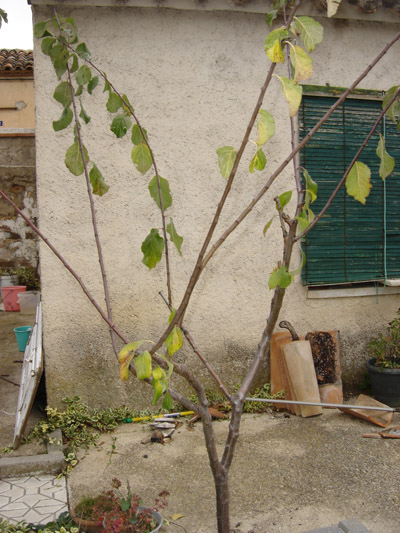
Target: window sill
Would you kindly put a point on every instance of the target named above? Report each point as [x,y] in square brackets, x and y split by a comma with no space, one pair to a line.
[392,287]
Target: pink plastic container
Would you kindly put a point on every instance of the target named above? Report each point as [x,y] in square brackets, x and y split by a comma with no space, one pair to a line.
[10,297]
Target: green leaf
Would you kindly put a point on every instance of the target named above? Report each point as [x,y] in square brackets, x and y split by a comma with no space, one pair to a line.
[83,51]
[60,62]
[297,271]
[387,161]
[165,192]
[113,102]
[75,63]
[170,365]
[120,125]
[273,46]
[280,277]
[158,373]
[266,127]
[142,364]
[293,93]
[107,86]
[394,110]
[311,187]
[83,75]
[126,355]
[62,94]
[137,137]
[152,248]
[358,182]
[171,316]
[141,157]
[79,90]
[333,6]
[92,84]
[97,181]
[39,29]
[301,62]
[271,16]
[174,341]
[310,31]
[64,121]
[258,162]
[302,221]
[167,403]
[84,116]
[284,199]
[47,44]
[125,107]
[268,225]
[158,390]
[73,159]
[226,159]
[173,235]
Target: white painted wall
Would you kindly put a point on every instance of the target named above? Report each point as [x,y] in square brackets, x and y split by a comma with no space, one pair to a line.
[193,78]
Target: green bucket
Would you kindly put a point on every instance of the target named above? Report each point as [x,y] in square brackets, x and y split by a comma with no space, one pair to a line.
[22,333]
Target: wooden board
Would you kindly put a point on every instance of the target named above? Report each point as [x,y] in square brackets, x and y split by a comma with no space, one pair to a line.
[32,369]
[280,379]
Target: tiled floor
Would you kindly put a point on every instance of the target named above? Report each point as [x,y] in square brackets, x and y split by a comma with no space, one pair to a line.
[34,499]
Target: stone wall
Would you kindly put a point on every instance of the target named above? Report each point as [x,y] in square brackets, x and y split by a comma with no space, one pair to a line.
[18,245]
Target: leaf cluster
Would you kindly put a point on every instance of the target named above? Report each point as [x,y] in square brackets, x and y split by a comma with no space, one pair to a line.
[385,348]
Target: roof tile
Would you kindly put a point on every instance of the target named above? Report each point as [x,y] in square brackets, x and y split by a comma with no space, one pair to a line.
[16,60]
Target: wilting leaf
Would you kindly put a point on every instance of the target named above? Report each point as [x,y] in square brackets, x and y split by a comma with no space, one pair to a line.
[62,94]
[84,116]
[333,6]
[284,199]
[174,236]
[73,159]
[293,93]
[280,277]
[273,45]
[302,63]
[142,364]
[266,127]
[137,137]
[311,188]
[141,157]
[387,161]
[310,31]
[64,121]
[152,248]
[113,102]
[83,51]
[126,355]
[99,186]
[358,182]
[83,75]
[165,192]
[258,162]
[268,225]
[92,84]
[226,159]
[158,390]
[167,403]
[394,110]
[120,125]
[176,516]
[174,340]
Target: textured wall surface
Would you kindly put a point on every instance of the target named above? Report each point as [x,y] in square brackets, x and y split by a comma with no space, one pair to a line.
[18,245]
[193,78]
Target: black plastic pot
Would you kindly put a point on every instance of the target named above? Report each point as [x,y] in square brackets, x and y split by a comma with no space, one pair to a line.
[385,383]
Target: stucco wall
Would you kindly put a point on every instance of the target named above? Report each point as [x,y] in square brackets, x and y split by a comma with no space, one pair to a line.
[16,104]
[18,244]
[193,78]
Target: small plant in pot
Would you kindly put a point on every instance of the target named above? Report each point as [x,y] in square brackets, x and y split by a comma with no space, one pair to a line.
[384,367]
[112,511]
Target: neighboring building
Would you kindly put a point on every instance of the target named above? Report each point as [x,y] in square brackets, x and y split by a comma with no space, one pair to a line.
[18,245]
[193,71]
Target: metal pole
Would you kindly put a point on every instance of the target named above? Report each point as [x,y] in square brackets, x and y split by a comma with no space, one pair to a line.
[329,405]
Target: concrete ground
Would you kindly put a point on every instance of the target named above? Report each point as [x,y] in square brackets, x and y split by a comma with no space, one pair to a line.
[289,474]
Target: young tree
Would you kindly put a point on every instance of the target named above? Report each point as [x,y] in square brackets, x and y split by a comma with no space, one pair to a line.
[78,75]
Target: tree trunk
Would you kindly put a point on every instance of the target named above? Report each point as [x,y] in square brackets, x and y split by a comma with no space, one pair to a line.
[222,497]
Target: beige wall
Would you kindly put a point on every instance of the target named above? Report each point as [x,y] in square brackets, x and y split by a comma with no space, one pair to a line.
[193,78]
[17,104]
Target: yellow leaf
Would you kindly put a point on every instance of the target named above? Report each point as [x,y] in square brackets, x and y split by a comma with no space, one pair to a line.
[176,516]
[358,182]
[293,93]
[276,53]
[302,63]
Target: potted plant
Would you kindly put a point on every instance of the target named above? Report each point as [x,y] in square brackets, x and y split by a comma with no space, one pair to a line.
[111,511]
[384,366]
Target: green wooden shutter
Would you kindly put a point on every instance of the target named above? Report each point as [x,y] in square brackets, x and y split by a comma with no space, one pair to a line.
[350,243]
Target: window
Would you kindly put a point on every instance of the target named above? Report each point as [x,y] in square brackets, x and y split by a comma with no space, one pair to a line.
[352,243]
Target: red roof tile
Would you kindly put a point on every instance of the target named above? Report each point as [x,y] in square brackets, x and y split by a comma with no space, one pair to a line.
[16,60]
